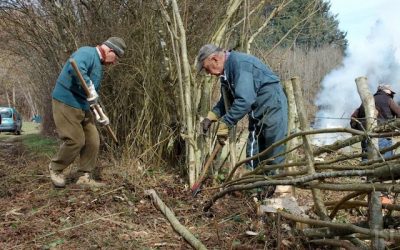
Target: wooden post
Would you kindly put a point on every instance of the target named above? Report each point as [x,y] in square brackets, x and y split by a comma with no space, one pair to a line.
[293,127]
[374,202]
[317,195]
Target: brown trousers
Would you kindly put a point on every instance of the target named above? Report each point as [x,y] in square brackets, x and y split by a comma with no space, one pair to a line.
[76,128]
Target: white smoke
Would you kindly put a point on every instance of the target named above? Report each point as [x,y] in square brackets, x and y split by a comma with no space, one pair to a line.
[376,56]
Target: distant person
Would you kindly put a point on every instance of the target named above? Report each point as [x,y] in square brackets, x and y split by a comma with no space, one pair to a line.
[36,118]
[387,110]
[71,111]
[253,90]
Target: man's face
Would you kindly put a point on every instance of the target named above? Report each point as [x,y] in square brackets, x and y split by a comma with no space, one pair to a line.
[111,57]
[214,64]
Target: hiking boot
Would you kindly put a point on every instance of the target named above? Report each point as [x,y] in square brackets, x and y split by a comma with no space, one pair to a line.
[57,178]
[86,180]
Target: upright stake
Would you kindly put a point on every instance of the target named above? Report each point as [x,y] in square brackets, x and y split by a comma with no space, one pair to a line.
[317,195]
[374,202]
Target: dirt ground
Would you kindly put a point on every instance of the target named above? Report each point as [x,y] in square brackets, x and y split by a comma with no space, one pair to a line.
[35,215]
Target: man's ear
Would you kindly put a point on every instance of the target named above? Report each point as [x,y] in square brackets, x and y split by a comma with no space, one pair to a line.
[213,57]
[217,57]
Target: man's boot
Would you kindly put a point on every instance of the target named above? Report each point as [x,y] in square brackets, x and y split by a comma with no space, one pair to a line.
[57,177]
[86,180]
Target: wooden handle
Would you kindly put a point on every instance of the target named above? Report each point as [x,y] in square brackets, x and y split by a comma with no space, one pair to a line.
[96,106]
[196,187]
[210,159]
[78,73]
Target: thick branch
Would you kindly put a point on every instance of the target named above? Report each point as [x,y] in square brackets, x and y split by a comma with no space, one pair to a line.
[336,243]
[390,172]
[367,187]
[296,181]
[342,201]
[193,241]
[353,204]
[385,234]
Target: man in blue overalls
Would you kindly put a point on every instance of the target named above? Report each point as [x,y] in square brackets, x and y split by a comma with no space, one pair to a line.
[253,89]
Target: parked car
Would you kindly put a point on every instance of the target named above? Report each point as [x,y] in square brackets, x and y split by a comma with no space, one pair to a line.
[11,120]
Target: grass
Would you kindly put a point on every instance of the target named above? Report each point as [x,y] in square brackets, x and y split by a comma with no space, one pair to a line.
[39,144]
[32,139]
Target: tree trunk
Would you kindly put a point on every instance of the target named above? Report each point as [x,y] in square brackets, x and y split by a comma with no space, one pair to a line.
[192,160]
[8,99]
[231,10]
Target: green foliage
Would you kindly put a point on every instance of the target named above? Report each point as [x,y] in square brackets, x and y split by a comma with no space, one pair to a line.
[315,26]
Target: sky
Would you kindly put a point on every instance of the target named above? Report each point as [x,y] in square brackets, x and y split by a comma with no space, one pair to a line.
[373,33]
[357,17]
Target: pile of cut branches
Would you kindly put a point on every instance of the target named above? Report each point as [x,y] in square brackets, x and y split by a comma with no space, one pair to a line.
[337,174]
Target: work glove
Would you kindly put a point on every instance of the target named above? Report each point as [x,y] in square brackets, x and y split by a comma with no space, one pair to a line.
[206,122]
[93,96]
[101,119]
[105,121]
[222,132]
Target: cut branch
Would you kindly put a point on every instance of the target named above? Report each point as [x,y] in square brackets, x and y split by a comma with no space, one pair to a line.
[336,243]
[179,228]
[385,234]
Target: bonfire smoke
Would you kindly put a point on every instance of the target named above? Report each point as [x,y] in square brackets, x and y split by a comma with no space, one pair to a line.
[377,58]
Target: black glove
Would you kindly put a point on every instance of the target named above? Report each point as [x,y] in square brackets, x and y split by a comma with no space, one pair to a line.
[205,125]
[222,139]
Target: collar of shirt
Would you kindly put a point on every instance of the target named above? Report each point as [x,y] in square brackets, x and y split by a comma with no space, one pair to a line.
[98,52]
[223,76]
